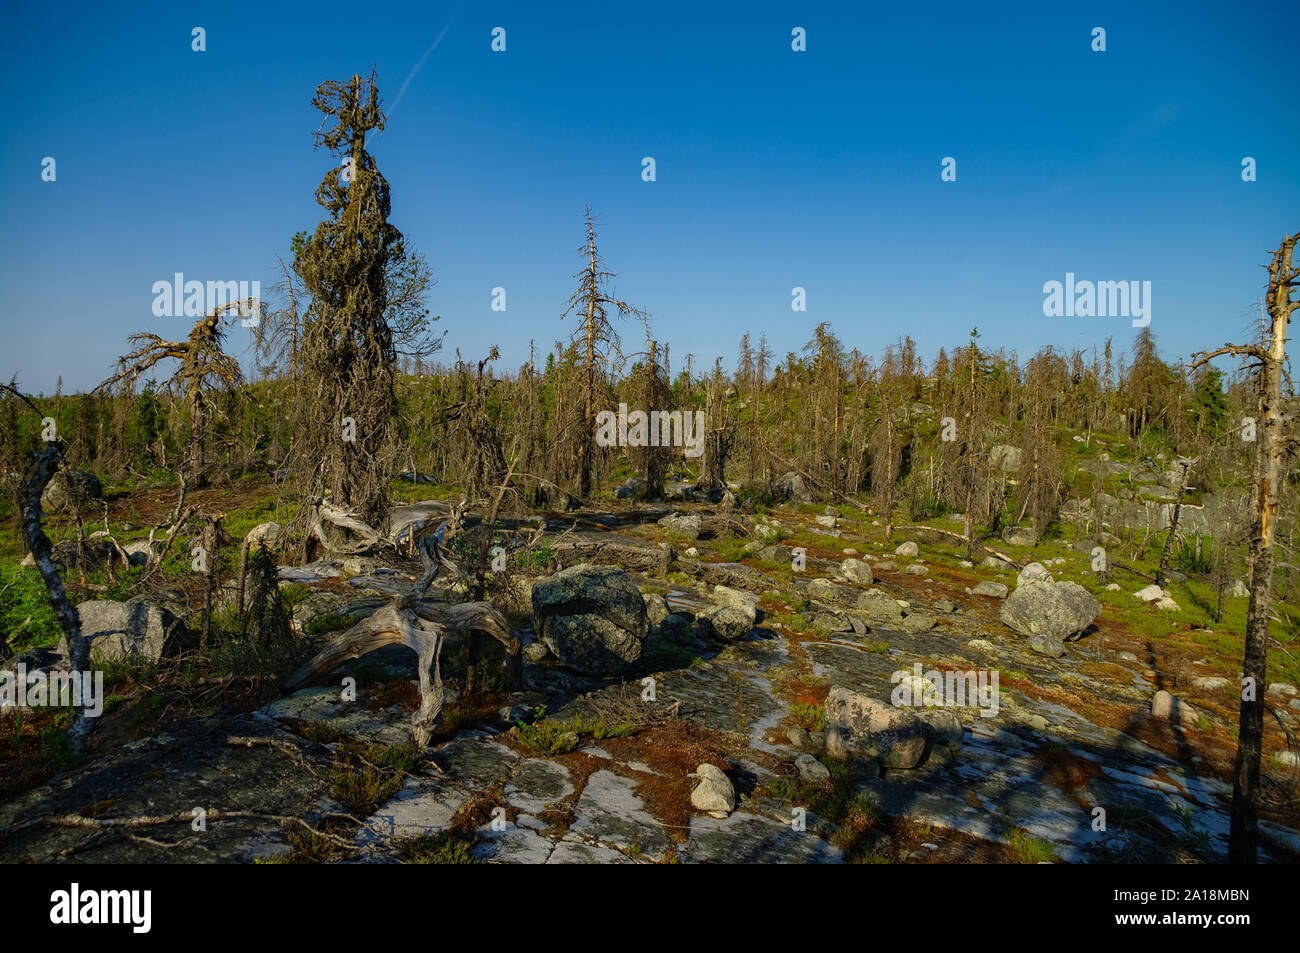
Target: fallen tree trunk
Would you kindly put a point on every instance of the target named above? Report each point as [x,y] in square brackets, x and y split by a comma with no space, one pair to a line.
[962,539]
[424,631]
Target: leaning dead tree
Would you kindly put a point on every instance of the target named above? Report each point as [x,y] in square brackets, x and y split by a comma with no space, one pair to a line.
[421,626]
[1274,445]
[47,464]
[1185,463]
[203,368]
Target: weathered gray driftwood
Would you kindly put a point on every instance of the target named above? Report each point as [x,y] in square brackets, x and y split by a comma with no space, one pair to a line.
[422,627]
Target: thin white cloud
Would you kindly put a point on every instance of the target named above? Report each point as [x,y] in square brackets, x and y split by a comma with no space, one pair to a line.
[427,54]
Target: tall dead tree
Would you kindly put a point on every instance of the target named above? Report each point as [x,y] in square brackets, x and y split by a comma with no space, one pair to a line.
[1274,445]
[971,472]
[596,339]
[652,393]
[886,460]
[347,411]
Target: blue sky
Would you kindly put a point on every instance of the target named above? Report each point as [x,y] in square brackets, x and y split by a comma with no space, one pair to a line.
[775,169]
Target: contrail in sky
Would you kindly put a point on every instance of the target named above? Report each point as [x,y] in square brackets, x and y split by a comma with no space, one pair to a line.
[426,55]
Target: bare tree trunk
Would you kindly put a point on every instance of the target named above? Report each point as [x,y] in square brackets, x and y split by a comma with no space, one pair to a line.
[1243,837]
[1173,525]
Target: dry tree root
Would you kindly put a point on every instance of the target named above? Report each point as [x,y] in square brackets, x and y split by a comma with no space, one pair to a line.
[419,626]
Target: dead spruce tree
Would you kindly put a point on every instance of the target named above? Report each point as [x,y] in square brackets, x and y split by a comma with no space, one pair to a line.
[650,385]
[597,342]
[886,461]
[1274,445]
[347,410]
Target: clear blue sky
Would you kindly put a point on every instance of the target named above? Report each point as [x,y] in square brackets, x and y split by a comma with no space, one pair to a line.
[775,168]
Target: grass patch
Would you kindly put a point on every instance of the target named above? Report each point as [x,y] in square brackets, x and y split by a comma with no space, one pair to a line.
[442,848]
[1028,849]
[812,717]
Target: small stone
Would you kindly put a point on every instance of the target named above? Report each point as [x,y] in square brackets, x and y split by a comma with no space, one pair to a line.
[1048,645]
[811,770]
[907,549]
[715,794]
[1034,572]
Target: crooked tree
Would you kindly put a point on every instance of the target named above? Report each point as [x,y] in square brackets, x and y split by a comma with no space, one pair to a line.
[203,367]
[347,409]
[1274,445]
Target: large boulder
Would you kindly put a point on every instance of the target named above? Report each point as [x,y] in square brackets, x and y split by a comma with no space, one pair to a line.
[90,554]
[632,488]
[880,607]
[71,489]
[861,728]
[1005,458]
[855,570]
[688,525]
[268,533]
[1019,536]
[554,497]
[1060,609]
[592,618]
[790,488]
[728,623]
[141,628]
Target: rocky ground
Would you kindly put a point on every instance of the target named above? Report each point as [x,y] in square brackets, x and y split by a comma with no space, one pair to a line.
[700,685]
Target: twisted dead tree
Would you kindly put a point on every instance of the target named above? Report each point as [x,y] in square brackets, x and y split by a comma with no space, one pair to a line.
[1274,445]
[419,625]
[204,367]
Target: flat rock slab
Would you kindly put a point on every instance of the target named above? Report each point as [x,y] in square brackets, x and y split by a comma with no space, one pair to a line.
[537,783]
[324,703]
[745,838]
[172,772]
[610,811]
[420,807]
[514,845]
[475,760]
[574,850]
